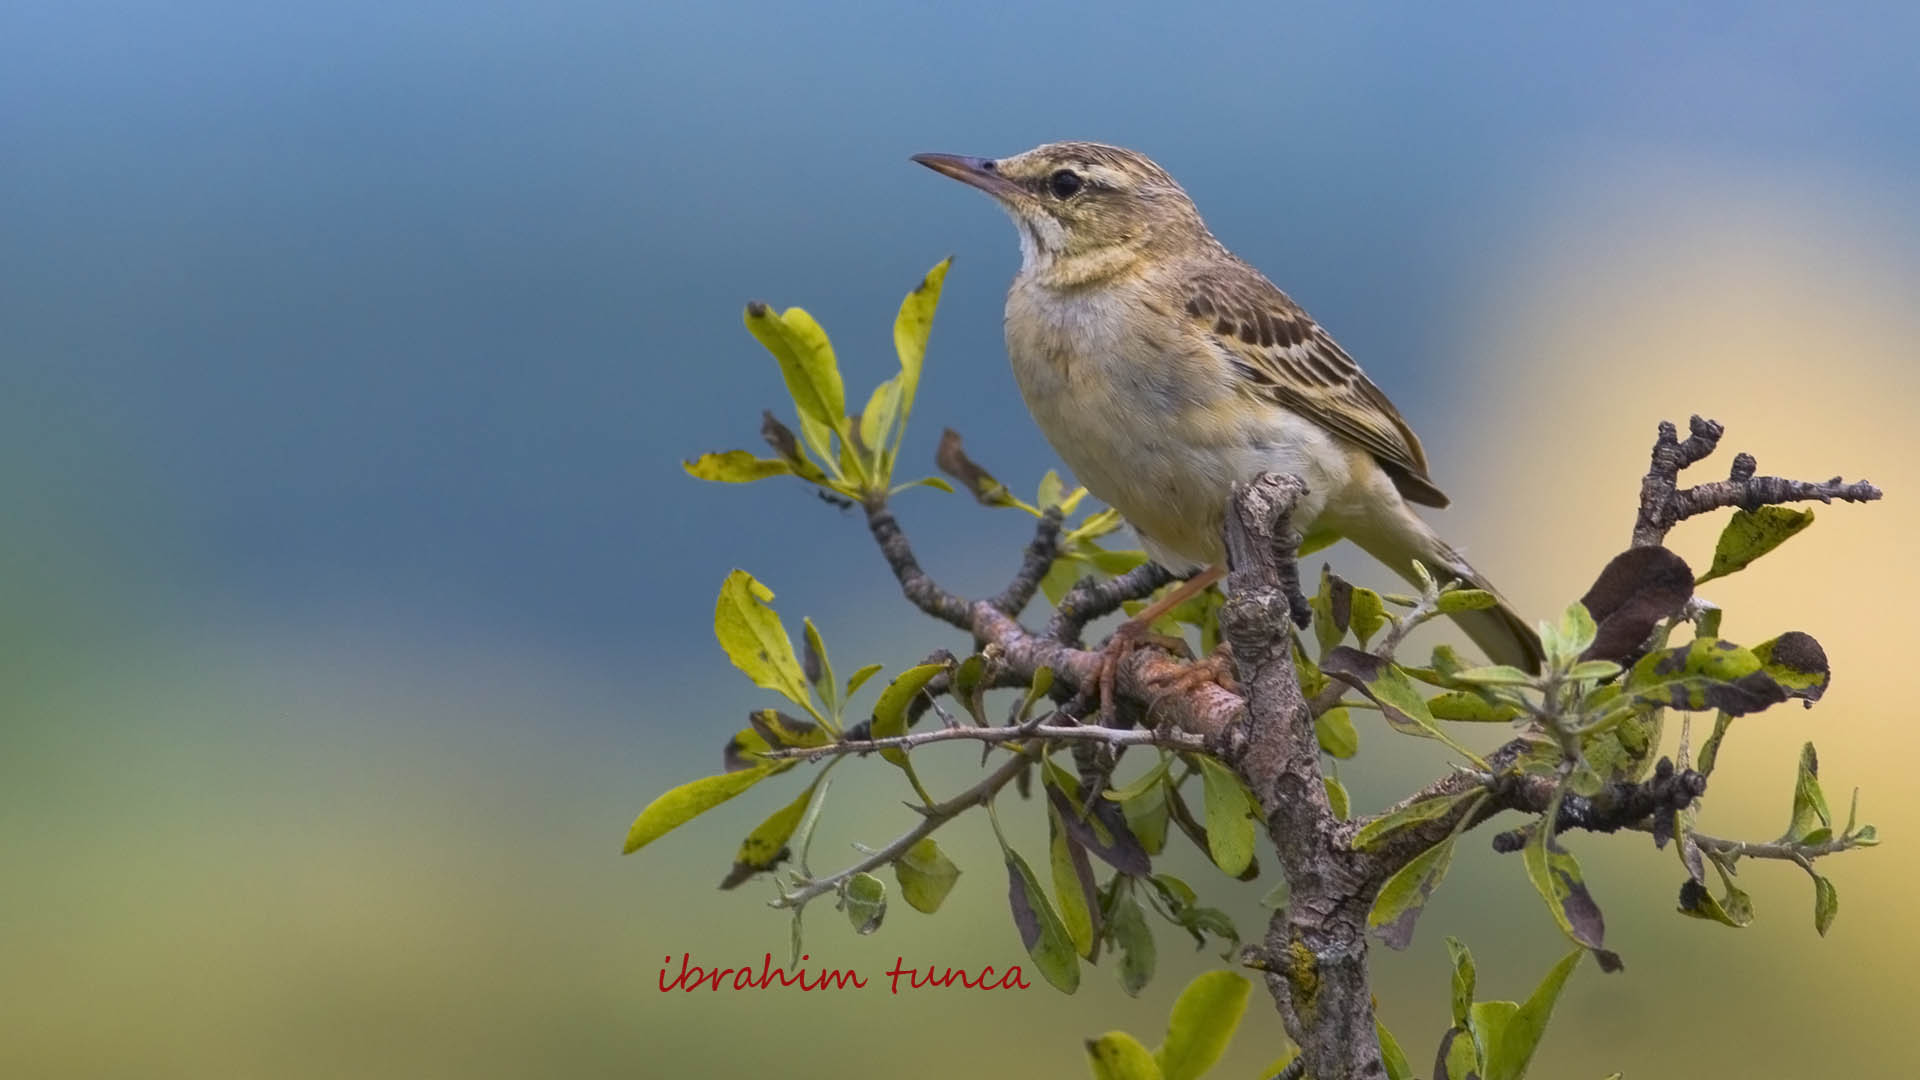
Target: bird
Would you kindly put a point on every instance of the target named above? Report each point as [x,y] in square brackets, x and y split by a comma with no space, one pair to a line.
[1164,370]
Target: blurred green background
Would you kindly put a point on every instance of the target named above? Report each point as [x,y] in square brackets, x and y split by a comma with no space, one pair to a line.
[354,600]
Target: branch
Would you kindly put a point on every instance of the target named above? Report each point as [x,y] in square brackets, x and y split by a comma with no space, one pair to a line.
[1664,504]
[1041,551]
[1090,733]
[1146,678]
[935,816]
[921,589]
[1315,949]
[1092,598]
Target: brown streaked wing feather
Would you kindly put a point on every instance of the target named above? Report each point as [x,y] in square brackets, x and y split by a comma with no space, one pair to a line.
[1282,355]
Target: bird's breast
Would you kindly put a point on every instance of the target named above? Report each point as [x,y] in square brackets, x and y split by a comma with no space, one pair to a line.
[1144,414]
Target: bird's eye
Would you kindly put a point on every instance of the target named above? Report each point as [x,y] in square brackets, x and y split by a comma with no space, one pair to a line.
[1064,183]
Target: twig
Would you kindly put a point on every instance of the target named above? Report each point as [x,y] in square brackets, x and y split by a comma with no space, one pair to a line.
[1092,598]
[934,817]
[914,582]
[1040,553]
[1663,504]
[1172,740]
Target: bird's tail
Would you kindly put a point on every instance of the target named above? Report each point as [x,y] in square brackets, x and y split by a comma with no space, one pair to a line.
[1498,631]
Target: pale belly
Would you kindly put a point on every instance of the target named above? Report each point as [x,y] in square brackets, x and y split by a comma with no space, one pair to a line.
[1161,448]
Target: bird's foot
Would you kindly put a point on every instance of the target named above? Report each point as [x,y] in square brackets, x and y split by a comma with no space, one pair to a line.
[1214,669]
[1130,635]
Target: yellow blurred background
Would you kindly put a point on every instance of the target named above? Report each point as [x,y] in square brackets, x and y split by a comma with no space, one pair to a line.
[341,651]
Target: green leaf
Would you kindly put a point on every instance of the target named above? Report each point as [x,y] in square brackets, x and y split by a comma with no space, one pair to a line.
[1809,802]
[1751,534]
[890,717]
[735,467]
[1386,685]
[876,425]
[1577,629]
[690,800]
[779,729]
[1332,609]
[865,899]
[911,329]
[936,482]
[817,668]
[1127,929]
[1494,675]
[1041,931]
[1119,1056]
[1706,673]
[1036,692]
[1073,884]
[1337,797]
[807,364]
[859,678]
[1797,662]
[890,710]
[755,641]
[1204,1018]
[1334,731]
[926,875]
[1411,814]
[1369,614]
[1147,815]
[1826,904]
[1556,876]
[1466,706]
[1230,817]
[1405,894]
[1459,1057]
[1594,669]
[1696,901]
[1454,601]
[766,845]
[1463,980]
[1391,1055]
[1144,784]
[1510,1038]
[1179,904]
[744,749]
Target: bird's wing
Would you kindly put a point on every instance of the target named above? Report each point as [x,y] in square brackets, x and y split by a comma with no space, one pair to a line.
[1281,355]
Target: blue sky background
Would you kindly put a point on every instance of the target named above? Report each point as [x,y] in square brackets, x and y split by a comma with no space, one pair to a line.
[348,353]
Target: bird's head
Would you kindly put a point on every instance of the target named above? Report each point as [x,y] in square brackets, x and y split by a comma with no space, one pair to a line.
[1085,210]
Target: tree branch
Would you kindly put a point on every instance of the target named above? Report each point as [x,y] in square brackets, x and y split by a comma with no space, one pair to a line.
[1041,551]
[1315,950]
[1663,504]
[1088,733]
[1091,598]
[933,817]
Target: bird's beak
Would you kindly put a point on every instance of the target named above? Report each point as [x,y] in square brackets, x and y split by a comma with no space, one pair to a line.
[978,172]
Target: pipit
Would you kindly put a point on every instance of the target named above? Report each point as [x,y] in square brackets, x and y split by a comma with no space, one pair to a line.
[1163,370]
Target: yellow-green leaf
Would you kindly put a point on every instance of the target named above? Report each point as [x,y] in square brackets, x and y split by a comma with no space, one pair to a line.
[1411,814]
[865,899]
[766,845]
[1119,1056]
[1041,931]
[1230,817]
[910,331]
[1752,533]
[926,875]
[690,800]
[1073,884]
[755,641]
[735,467]
[807,364]
[1203,1020]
